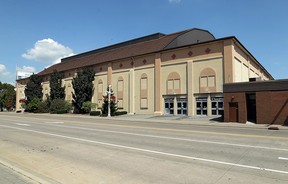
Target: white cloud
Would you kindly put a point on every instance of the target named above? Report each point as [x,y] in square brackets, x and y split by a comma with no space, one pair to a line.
[174,1]
[29,69]
[47,51]
[3,70]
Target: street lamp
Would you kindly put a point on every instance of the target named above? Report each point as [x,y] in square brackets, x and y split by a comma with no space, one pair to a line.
[109,101]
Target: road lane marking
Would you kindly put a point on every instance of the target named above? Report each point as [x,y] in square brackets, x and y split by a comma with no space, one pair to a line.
[149,151]
[22,124]
[282,158]
[171,130]
[174,138]
[54,122]
[164,137]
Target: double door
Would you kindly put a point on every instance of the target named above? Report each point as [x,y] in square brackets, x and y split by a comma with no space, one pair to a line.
[181,106]
[201,106]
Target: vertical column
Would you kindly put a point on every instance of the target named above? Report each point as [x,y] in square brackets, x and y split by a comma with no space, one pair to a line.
[209,105]
[157,85]
[228,61]
[109,74]
[190,95]
[18,105]
[175,106]
[131,91]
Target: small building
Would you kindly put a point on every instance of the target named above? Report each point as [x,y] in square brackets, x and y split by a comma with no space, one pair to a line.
[261,102]
[180,73]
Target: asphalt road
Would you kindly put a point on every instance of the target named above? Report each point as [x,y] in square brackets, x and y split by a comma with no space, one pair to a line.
[81,149]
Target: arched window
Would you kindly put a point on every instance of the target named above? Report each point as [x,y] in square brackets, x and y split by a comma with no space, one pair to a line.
[173,83]
[120,89]
[207,80]
[144,91]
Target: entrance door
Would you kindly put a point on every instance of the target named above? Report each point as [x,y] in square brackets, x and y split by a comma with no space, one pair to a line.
[233,112]
[169,106]
[182,106]
[217,106]
[201,106]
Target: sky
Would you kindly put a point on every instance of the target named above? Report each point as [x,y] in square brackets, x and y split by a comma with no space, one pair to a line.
[35,34]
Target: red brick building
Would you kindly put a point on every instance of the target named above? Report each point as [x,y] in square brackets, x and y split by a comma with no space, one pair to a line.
[261,102]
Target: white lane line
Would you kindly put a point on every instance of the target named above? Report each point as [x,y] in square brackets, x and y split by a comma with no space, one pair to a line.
[54,122]
[282,158]
[22,124]
[150,151]
[175,138]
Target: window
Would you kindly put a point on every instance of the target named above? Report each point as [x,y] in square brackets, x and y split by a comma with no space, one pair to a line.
[120,89]
[144,91]
[99,90]
[207,81]
[173,83]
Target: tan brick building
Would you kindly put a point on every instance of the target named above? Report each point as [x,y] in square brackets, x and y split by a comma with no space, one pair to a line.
[180,73]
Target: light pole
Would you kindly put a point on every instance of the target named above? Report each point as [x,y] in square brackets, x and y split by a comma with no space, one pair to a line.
[109,101]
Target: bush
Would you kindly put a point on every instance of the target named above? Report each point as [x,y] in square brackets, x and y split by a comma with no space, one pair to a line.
[88,106]
[59,106]
[95,113]
[37,106]
[119,113]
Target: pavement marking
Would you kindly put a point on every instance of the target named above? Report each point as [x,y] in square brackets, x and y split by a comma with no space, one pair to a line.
[174,138]
[150,151]
[171,130]
[54,122]
[22,124]
[282,158]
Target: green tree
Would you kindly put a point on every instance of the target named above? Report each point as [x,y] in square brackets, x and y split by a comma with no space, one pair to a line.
[56,89]
[7,96]
[113,104]
[33,88]
[83,88]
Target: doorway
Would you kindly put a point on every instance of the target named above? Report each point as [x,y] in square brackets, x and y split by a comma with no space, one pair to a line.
[251,107]
[201,106]
[233,112]
[181,106]
[169,106]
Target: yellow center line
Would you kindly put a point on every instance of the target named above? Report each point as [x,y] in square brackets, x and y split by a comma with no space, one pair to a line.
[156,129]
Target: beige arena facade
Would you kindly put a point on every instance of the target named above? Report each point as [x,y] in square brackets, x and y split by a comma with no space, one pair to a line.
[175,74]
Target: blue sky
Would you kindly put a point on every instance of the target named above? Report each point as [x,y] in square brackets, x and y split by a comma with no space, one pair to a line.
[36,33]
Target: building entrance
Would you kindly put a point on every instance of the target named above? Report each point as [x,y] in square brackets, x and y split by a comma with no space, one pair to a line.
[217,105]
[181,106]
[201,106]
[169,106]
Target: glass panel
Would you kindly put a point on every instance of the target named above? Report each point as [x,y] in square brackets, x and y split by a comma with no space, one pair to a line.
[166,105]
[214,112]
[179,112]
[184,111]
[171,112]
[198,112]
[176,84]
[204,112]
[184,105]
[203,82]
[179,104]
[171,105]
[198,104]
[170,84]
[204,105]
[220,104]
[214,104]
[211,81]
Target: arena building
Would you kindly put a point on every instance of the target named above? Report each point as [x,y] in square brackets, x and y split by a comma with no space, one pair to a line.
[182,73]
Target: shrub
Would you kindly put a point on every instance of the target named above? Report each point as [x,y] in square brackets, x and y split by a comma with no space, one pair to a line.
[95,113]
[119,113]
[37,106]
[88,106]
[60,106]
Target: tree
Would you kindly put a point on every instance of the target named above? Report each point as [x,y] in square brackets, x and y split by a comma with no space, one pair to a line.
[83,88]
[34,88]
[56,89]
[7,96]
[113,104]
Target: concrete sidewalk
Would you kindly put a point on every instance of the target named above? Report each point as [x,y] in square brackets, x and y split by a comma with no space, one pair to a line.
[201,121]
